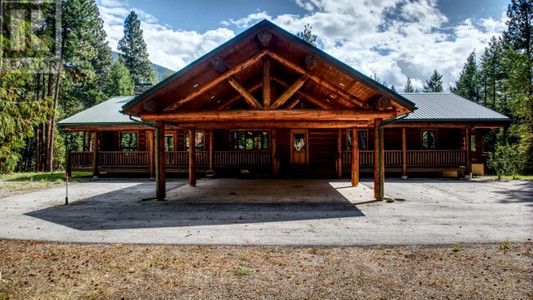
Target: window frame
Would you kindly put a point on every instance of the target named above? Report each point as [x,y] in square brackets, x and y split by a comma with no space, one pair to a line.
[422,138]
[185,138]
[349,132]
[252,130]
[175,142]
[120,140]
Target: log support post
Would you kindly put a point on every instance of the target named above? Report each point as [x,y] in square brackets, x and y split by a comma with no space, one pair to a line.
[211,149]
[378,159]
[160,161]
[404,153]
[96,172]
[274,159]
[339,153]
[468,153]
[150,145]
[192,157]
[355,157]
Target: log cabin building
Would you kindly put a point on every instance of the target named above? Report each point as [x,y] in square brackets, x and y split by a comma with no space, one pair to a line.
[269,104]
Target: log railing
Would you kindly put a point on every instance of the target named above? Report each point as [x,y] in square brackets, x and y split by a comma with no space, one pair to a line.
[241,158]
[79,160]
[393,158]
[415,158]
[124,158]
[426,158]
[82,159]
[181,158]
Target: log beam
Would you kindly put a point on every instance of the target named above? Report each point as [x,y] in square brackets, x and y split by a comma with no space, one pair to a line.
[211,149]
[160,161]
[275,124]
[219,65]
[266,82]
[404,153]
[248,97]
[305,95]
[378,163]
[293,103]
[268,115]
[355,157]
[150,146]
[234,70]
[96,172]
[349,98]
[381,103]
[192,157]
[264,37]
[339,154]
[289,92]
[468,153]
[236,99]
[275,164]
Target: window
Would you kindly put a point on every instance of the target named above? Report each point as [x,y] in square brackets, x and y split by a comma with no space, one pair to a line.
[250,140]
[199,140]
[472,143]
[362,139]
[169,142]
[429,139]
[128,141]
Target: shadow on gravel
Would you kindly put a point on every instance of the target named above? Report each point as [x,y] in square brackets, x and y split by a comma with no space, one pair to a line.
[123,209]
[523,193]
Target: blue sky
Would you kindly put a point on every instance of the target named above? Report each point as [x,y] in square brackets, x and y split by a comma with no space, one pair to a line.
[395,39]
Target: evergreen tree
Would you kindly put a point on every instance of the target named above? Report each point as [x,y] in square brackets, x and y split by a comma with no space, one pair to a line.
[167,74]
[134,50]
[492,75]
[120,82]
[408,88]
[392,87]
[468,84]
[434,84]
[307,35]
[519,25]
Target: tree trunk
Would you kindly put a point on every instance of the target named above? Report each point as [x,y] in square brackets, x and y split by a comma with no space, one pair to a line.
[50,157]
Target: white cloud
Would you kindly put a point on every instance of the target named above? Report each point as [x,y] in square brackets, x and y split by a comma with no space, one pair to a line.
[173,49]
[394,38]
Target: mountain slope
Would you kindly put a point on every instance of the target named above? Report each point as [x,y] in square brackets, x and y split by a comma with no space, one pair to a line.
[159,69]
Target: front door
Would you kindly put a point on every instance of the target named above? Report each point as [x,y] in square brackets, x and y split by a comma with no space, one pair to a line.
[299,148]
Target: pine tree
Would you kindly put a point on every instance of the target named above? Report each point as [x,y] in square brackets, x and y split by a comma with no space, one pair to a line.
[307,35]
[434,84]
[393,88]
[468,84]
[408,88]
[134,50]
[120,82]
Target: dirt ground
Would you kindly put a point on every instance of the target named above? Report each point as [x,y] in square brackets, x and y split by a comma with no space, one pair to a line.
[43,270]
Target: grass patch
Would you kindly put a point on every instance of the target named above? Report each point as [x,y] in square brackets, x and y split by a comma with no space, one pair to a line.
[16,183]
[509,177]
[457,247]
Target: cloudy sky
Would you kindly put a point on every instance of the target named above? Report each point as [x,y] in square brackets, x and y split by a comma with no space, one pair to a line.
[395,39]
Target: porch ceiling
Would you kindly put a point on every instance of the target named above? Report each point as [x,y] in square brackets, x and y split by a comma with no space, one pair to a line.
[262,69]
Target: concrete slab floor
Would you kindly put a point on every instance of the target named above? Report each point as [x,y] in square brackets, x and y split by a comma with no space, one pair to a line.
[274,212]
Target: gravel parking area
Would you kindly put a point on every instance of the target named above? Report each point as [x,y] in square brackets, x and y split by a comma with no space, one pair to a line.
[274,212]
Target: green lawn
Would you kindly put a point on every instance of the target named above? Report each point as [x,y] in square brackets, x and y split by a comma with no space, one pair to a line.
[17,183]
[507,178]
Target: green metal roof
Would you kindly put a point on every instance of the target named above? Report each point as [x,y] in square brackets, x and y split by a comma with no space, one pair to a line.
[449,107]
[431,107]
[105,113]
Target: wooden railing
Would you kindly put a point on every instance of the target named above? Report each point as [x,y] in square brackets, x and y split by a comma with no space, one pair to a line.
[415,158]
[82,159]
[393,158]
[241,158]
[123,158]
[425,158]
[181,158]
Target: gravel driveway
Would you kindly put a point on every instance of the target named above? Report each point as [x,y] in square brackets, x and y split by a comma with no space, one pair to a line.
[279,212]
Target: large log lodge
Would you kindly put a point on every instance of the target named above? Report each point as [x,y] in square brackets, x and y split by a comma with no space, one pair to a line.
[268,103]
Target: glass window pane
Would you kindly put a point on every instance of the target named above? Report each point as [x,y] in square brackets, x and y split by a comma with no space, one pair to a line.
[299,142]
[428,139]
[472,143]
[363,140]
[128,141]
